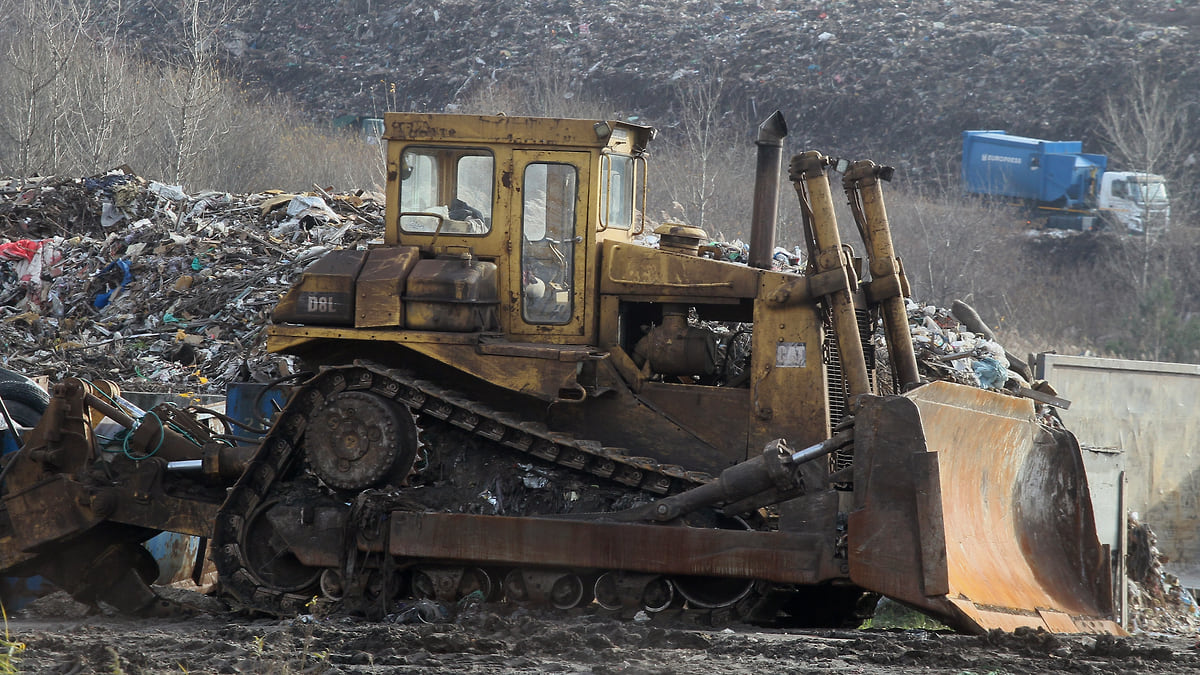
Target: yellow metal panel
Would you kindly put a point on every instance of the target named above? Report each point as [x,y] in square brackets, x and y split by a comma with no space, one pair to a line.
[380,287]
[535,375]
[1054,622]
[540,377]
[286,338]
[788,391]
[984,442]
[610,329]
[629,269]
[535,131]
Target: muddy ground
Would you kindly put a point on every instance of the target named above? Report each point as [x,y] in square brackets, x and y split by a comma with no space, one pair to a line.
[62,637]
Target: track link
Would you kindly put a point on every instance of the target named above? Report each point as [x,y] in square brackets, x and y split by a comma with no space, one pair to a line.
[280,457]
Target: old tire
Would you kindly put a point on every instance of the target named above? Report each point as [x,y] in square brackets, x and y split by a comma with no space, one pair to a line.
[25,400]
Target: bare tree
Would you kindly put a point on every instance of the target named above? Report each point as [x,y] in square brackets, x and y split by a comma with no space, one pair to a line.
[106,115]
[1145,125]
[1148,129]
[40,38]
[191,83]
[702,146]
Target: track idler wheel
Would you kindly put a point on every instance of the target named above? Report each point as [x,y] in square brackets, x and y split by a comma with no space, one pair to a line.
[269,559]
[358,440]
[332,586]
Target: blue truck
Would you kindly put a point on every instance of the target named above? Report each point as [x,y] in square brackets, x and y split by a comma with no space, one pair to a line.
[1061,186]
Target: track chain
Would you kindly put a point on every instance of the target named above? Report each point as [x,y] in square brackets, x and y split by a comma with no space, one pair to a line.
[280,451]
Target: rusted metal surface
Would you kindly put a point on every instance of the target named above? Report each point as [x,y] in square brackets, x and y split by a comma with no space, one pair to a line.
[717,414]
[452,294]
[380,286]
[325,292]
[359,440]
[536,131]
[773,556]
[251,495]
[968,508]
[676,348]
[81,526]
[789,383]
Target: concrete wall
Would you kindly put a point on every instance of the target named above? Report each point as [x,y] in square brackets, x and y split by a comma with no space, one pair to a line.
[1150,412]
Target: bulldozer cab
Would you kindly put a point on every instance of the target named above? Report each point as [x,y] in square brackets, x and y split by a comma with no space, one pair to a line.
[534,196]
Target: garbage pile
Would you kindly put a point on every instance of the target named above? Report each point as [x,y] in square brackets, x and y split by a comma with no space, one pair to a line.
[122,278]
[1158,602]
[909,76]
[955,344]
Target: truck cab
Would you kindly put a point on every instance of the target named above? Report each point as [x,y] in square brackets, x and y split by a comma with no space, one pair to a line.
[1134,201]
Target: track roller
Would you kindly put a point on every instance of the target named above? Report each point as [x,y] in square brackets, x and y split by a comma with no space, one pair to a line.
[713,592]
[561,590]
[331,584]
[448,584]
[650,592]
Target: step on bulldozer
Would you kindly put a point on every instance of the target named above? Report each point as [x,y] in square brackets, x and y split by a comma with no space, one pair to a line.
[514,396]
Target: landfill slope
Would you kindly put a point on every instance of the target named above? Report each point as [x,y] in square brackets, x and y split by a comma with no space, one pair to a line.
[899,80]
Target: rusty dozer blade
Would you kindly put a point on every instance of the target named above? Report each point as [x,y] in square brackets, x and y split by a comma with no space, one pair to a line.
[968,509]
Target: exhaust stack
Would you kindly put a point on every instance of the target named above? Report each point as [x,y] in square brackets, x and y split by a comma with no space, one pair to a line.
[766,189]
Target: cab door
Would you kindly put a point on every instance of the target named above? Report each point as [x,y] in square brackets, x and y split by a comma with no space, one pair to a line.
[547,279]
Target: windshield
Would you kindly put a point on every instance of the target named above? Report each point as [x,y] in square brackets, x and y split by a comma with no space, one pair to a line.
[446,190]
[1148,192]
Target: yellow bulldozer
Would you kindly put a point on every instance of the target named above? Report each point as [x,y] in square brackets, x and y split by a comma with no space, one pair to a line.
[515,396]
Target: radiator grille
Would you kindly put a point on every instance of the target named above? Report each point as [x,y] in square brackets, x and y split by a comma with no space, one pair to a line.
[835,375]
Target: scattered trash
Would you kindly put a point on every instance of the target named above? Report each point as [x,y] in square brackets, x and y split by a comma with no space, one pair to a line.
[1158,602]
[107,277]
[421,611]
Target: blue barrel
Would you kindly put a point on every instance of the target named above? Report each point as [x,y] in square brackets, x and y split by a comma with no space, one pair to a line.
[175,554]
[254,404]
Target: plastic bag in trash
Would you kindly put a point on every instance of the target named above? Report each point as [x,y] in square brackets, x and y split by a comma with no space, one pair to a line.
[172,192]
[991,373]
[104,298]
[20,249]
[422,611]
[303,206]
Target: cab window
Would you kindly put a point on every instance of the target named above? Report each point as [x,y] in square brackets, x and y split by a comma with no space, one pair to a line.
[446,190]
[548,242]
[616,191]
